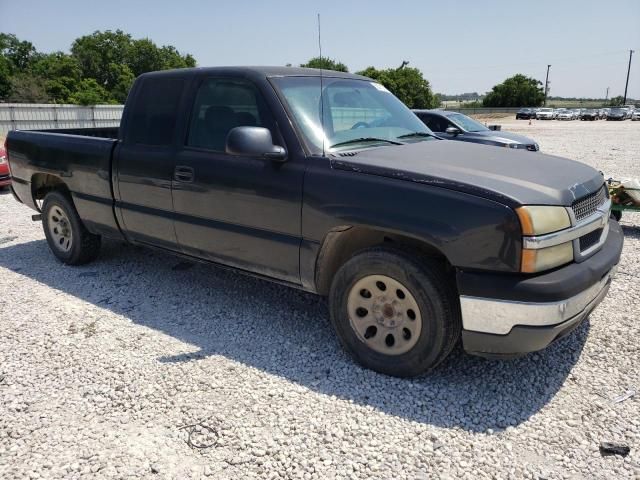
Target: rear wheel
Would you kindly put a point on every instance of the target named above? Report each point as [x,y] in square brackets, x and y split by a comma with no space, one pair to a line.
[395,312]
[67,237]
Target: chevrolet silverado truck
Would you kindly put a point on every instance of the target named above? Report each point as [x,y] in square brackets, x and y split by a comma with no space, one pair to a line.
[326,182]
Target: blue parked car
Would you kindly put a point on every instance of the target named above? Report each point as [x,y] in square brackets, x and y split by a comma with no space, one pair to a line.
[456,126]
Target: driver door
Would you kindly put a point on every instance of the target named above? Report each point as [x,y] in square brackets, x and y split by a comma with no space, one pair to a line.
[236,210]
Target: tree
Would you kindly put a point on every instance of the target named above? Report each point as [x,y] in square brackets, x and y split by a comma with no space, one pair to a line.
[171,58]
[516,91]
[26,88]
[616,101]
[19,53]
[100,68]
[62,72]
[90,93]
[408,84]
[96,52]
[5,77]
[124,79]
[325,64]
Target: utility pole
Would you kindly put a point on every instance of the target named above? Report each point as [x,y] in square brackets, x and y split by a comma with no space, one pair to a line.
[546,86]
[626,85]
[606,97]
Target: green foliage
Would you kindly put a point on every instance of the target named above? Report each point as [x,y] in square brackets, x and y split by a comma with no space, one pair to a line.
[100,68]
[408,84]
[26,88]
[325,64]
[19,53]
[516,91]
[617,101]
[5,77]
[62,72]
[96,52]
[90,93]
[124,78]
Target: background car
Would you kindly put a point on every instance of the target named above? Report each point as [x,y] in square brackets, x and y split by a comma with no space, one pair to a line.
[566,115]
[456,126]
[525,114]
[589,114]
[5,178]
[617,113]
[546,114]
[635,115]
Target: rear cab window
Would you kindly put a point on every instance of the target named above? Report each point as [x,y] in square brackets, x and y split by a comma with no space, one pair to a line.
[155,111]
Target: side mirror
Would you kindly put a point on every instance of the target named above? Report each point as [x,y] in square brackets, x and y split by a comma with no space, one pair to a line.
[254,142]
[452,131]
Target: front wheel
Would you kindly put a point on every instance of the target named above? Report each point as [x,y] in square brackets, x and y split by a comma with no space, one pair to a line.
[395,312]
[67,237]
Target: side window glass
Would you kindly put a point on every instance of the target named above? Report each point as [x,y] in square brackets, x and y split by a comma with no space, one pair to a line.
[155,110]
[221,105]
[432,122]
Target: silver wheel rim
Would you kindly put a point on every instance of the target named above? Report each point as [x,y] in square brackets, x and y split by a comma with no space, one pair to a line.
[384,314]
[60,229]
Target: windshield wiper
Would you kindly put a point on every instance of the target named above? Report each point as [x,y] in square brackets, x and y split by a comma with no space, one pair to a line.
[365,139]
[417,134]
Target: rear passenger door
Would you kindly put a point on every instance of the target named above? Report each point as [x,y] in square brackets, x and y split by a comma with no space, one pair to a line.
[236,210]
[144,162]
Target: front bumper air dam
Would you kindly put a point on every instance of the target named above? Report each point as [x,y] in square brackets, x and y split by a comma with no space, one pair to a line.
[535,314]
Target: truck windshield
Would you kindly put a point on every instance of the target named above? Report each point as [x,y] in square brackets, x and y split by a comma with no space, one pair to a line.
[356,114]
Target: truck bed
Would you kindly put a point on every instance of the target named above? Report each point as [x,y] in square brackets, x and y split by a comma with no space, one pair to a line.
[81,157]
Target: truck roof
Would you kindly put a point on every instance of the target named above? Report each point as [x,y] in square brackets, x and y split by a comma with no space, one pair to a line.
[257,72]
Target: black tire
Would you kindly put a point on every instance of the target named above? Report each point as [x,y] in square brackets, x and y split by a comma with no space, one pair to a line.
[83,246]
[617,214]
[426,281]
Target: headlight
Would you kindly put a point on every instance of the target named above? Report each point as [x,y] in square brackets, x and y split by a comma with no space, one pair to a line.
[3,160]
[540,220]
[545,258]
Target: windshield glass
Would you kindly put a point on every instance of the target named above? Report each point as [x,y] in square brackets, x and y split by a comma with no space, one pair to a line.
[357,113]
[546,109]
[468,124]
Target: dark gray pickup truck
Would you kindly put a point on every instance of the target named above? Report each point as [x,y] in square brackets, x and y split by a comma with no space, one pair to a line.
[331,185]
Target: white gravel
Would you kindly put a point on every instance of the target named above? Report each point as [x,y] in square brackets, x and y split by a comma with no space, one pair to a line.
[102,367]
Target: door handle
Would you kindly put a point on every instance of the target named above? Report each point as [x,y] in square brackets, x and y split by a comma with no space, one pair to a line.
[183,174]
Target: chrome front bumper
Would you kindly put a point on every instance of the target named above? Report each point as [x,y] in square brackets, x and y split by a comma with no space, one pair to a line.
[499,317]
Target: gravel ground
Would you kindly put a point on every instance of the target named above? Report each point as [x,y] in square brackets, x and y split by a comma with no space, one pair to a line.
[143,366]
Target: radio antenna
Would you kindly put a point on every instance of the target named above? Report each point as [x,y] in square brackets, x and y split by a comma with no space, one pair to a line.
[321,87]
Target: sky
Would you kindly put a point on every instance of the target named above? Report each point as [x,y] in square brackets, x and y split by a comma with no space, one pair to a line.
[460,46]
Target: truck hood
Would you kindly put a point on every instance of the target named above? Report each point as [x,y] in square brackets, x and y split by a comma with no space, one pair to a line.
[510,176]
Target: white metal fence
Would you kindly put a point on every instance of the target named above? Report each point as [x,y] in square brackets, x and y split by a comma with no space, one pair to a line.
[32,116]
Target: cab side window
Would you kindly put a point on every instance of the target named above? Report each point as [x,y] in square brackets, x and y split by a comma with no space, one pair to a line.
[434,122]
[221,105]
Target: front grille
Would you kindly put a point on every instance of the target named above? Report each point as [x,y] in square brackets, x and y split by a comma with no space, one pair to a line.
[590,239]
[588,205]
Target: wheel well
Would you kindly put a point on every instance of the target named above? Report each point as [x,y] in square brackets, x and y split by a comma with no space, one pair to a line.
[341,243]
[43,183]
